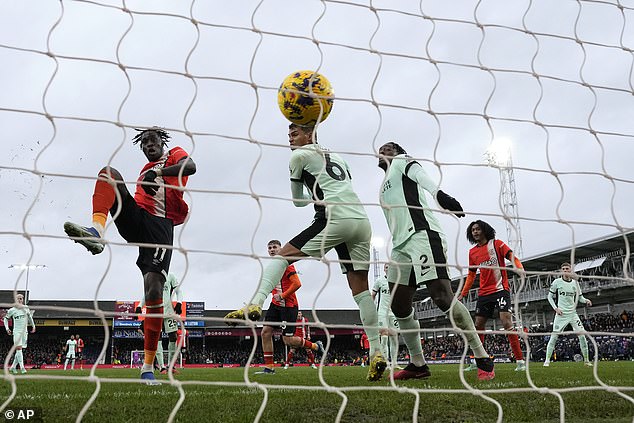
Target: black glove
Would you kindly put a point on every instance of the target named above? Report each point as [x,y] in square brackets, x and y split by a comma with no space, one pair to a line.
[178,309]
[150,176]
[137,311]
[447,202]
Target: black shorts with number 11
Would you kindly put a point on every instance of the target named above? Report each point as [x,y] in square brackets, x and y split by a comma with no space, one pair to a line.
[137,225]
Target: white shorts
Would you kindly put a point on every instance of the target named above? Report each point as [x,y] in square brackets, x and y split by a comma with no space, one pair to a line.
[562,321]
[387,320]
[349,237]
[170,325]
[20,339]
[70,355]
[422,258]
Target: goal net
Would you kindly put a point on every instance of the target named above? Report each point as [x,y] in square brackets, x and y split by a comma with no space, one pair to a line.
[552,82]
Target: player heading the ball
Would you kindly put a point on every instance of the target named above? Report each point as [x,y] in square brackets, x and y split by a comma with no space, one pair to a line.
[340,222]
[149,217]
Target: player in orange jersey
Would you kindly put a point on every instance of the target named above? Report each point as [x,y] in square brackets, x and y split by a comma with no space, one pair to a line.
[494,294]
[302,330]
[283,309]
[80,351]
[149,218]
[365,346]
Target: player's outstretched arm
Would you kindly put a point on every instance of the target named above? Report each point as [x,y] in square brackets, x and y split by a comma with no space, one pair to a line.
[516,262]
[447,202]
[467,284]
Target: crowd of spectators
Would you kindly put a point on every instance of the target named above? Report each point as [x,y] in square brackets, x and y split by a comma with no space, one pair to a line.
[610,347]
[607,322]
[346,350]
[47,350]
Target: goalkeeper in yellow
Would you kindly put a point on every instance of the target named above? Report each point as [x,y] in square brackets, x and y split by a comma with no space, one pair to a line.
[568,295]
[340,223]
[22,318]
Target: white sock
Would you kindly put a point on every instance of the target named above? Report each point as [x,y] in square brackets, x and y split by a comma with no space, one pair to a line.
[394,349]
[463,321]
[20,358]
[171,350]
[160,359]
[147,368]
[99,228]
[65,364]
[412,338]
[370,320]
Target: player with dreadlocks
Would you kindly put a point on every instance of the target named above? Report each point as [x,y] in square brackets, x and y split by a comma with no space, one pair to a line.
[149,218]
[419,256]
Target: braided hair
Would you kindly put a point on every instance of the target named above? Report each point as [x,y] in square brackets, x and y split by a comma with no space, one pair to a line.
[396,147]
[162,133]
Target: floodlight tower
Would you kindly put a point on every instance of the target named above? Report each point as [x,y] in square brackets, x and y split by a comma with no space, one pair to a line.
[498,155]
[377,242]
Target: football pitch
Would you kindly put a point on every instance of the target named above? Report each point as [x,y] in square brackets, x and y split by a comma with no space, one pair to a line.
[223,395]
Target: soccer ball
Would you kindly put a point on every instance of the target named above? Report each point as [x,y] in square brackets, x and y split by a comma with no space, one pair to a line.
[305,109]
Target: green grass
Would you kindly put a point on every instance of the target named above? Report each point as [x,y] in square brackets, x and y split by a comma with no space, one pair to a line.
[62,398]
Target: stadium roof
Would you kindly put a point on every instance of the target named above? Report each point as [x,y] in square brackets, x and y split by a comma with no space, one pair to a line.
[551,260]
[582,252]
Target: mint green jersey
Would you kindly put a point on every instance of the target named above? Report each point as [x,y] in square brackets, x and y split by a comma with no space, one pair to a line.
[21,318]
[383,297]
[568,295]
[170,287]
[403,199]
[327,177]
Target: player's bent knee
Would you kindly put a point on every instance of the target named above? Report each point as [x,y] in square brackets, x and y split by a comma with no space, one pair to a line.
[292,341]
[401,311]
[110,173]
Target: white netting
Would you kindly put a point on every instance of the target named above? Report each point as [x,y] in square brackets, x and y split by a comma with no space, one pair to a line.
[444,80]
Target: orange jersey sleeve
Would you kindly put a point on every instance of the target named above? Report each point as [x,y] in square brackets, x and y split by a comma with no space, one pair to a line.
[468,283]
[294,286]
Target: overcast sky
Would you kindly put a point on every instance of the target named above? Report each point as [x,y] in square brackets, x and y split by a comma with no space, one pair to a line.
[389,69]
